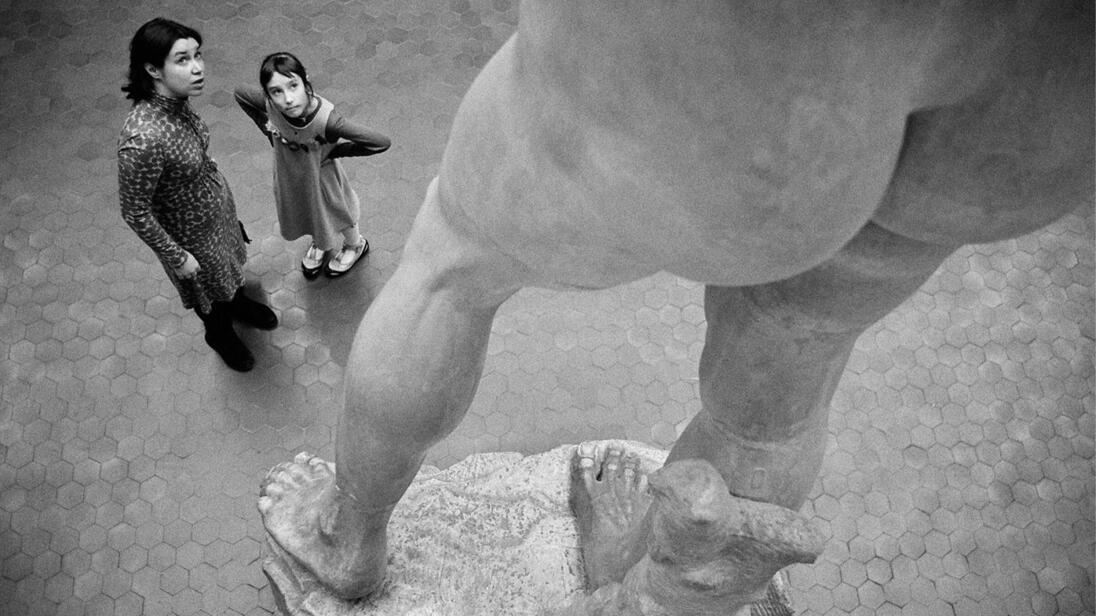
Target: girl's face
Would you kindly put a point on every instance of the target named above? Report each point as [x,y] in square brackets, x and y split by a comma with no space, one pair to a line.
[183,73]
[288,94]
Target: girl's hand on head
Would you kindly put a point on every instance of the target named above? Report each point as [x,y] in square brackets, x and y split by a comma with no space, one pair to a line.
[189,268]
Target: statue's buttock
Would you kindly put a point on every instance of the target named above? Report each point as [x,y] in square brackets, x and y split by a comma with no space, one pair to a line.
[597,147]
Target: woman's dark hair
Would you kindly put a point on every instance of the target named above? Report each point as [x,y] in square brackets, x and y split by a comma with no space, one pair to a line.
[282,63]
[150,45]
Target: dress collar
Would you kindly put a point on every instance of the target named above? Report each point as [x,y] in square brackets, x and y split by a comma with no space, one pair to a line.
[167,103]
[307,119]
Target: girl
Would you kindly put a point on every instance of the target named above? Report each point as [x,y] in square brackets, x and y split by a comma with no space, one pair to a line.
[172,194]
[311,191]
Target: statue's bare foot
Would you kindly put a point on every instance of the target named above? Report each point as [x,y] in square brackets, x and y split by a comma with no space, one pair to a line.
[329,534]
[707,552]
[609,499]
[715,552]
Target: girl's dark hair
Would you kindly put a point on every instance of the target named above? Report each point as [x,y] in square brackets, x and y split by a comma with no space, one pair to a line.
[150,45]
[282,63]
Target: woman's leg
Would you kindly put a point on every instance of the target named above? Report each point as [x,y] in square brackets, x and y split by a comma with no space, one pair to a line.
[222,338]
[252,312]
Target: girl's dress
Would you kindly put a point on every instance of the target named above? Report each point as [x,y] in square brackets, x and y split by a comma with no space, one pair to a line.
[177,201]
[311,191]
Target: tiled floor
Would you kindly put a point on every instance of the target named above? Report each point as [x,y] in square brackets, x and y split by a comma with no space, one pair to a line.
[960,472]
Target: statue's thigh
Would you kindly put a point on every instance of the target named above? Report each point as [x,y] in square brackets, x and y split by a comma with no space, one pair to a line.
[773,352]
[446,253]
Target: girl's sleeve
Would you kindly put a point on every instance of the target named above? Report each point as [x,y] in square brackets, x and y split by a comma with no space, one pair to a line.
[353,140]
[252,101]
[140,163]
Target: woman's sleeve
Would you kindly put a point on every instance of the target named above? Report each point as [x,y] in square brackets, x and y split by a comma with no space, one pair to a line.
[353,140]
[140,164]
[252,101]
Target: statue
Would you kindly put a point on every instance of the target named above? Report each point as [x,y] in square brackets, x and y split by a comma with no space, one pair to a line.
[812,164]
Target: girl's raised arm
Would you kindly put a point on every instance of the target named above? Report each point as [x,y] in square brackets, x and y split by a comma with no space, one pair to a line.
[355,140]
[252,101]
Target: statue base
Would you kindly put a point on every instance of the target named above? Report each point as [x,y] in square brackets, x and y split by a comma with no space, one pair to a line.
[490,535]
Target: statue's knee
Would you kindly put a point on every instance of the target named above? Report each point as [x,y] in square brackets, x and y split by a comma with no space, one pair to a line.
[445,253]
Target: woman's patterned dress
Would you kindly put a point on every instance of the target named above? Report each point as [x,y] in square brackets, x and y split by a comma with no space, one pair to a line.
[177,201]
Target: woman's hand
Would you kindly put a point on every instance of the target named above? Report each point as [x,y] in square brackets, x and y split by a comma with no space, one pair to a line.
[189,268]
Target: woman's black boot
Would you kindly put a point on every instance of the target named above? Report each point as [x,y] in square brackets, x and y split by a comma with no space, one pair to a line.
[252,312]
[220,336]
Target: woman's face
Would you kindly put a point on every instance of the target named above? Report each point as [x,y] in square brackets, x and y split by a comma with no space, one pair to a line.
[183,73]
[288,94]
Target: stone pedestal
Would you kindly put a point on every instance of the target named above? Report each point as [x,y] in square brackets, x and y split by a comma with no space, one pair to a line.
[491,535]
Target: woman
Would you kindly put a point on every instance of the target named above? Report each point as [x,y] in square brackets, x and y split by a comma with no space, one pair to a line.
[172,194]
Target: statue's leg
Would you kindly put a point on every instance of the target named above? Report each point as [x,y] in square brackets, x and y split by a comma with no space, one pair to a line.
[771,361]
[1002,162]
[413,369]
[991,166]
[775,352]
[708,552]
